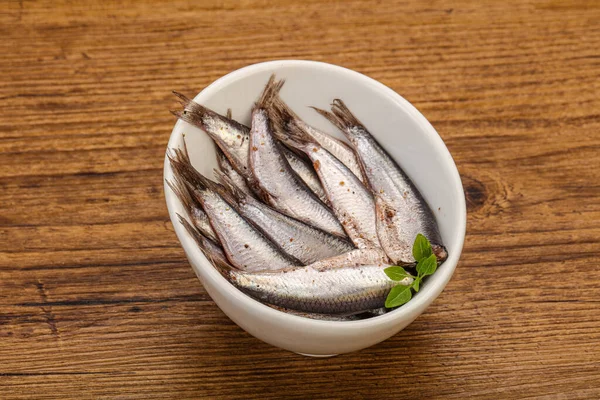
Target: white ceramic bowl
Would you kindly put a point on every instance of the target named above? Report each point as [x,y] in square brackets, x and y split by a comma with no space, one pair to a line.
[402,131]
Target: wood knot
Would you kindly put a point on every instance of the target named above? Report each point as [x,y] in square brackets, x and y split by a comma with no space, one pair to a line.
[475,193]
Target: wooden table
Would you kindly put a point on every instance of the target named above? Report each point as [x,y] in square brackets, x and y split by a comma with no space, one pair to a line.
[96,297]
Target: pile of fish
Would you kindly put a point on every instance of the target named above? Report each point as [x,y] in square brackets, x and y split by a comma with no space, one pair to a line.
[299,219]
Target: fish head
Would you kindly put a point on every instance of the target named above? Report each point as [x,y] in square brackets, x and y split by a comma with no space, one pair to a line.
[440,252]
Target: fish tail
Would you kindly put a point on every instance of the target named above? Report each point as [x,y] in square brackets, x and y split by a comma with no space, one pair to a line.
[210,249]
[281,114]
[203,242]
[285,122]
[330,117]
[282,110]
[270,93]
[343,114]
[230,192]
[195,233]
[298,140]
[183,194]
[183,168]
[183,99]
[340,115]
[192,112]
[195,114]
[190,106]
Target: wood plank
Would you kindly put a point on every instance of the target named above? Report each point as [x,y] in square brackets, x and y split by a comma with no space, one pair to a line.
[97,299]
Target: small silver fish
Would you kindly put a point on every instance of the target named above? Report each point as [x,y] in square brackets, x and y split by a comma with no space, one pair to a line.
[350,200]
[306,173]
[279,185]
[213,251]
[232,173]
[402,213]
[233,139]
[245,247]
[342,290]
[193,208]
[228,134]
[304,242]
[286,122]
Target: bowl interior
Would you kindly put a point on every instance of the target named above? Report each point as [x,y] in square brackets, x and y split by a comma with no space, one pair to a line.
[397,125]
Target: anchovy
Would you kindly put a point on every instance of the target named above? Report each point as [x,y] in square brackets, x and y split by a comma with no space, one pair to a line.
[304,242]
[228,134]
[280,187]
[286,122]
[402,213]
[343,290]
[233,139]
[232,173]
[306,173]
[193,208]
[245,247]
[211,250]
[350,200]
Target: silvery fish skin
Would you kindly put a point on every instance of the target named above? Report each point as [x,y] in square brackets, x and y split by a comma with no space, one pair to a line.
[245,247]
[231,172]
[306,173]
[354,258]
[304,242]
[350,200]
[228,134]
[402,213]
[233,138]
[344,290]
[193,208]
[279,185]
[286,122]
[213,251]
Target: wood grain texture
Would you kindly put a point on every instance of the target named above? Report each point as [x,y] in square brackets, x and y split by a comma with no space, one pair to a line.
[96,297]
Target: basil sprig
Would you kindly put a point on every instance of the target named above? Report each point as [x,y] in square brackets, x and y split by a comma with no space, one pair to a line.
[426,265]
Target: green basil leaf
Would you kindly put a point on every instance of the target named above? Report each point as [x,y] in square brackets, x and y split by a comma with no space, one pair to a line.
[397,273]
[416,284]
[421,248]
[398,296]
[427,266]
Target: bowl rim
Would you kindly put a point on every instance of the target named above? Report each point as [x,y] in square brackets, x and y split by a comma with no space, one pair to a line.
[435,283]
